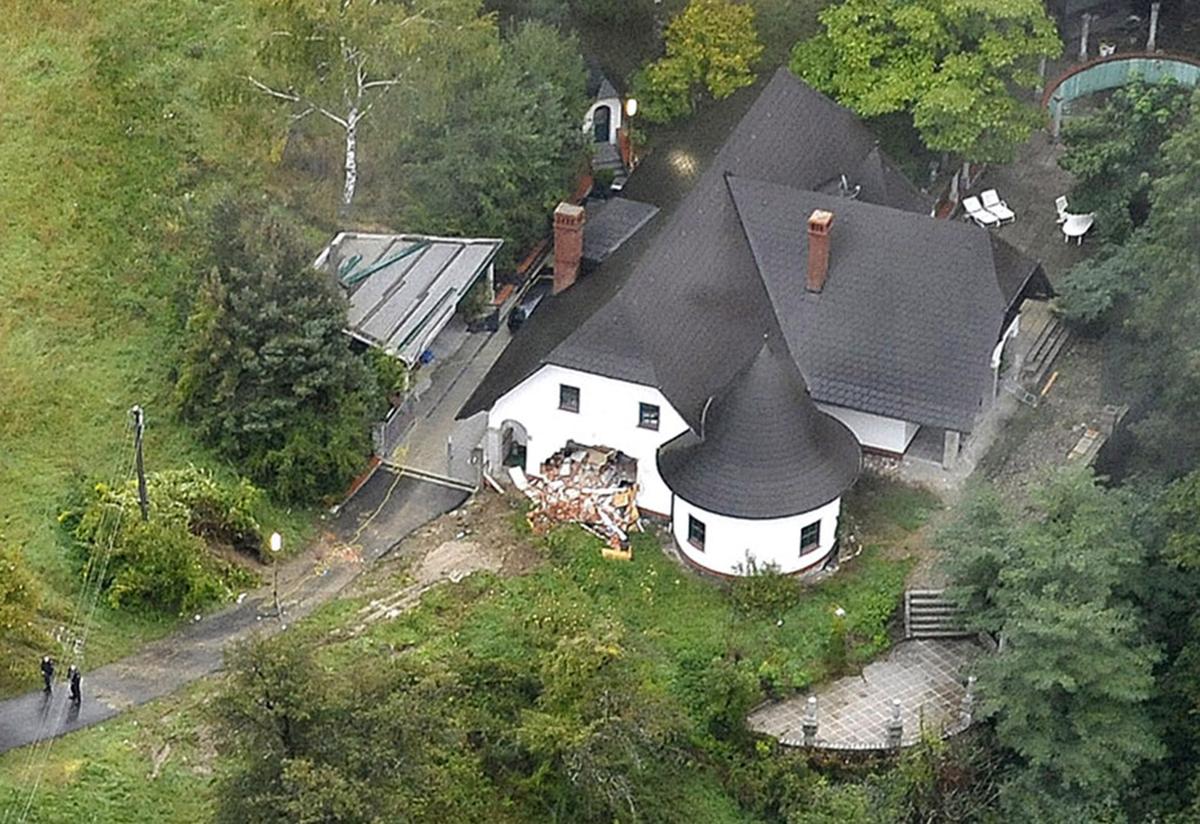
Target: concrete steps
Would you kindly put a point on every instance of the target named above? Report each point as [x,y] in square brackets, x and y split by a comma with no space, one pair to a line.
[1046,347]
[929,614]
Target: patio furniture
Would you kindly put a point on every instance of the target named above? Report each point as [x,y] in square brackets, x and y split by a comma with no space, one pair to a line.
[1076,226]
[993,203]
[1060,203]
[977,213]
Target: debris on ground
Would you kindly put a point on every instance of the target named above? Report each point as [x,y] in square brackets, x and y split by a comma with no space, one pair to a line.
[450,561]
[594,487]
[1094,437]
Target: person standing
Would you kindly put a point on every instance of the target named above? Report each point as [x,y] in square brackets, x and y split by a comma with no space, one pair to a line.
[47,671]
[73,679]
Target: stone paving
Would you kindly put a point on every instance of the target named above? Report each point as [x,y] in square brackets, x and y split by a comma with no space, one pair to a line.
[927,676]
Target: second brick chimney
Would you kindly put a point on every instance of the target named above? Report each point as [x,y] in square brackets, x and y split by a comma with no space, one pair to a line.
[819,224]
[568,244]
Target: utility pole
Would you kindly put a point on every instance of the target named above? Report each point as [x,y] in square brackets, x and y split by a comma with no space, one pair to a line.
[139,427]
[1152,40]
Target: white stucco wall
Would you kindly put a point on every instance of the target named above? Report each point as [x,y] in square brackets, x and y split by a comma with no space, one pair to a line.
[777,540]
[875,431]
[607,416]
[614,122]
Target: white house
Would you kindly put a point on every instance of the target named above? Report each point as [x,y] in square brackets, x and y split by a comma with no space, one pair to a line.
[793,305]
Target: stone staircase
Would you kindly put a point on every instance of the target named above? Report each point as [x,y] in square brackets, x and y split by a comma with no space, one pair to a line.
[1046,347]
[929,614]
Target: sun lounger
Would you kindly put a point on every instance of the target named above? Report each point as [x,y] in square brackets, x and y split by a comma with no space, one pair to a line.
[993,203]
[977,213]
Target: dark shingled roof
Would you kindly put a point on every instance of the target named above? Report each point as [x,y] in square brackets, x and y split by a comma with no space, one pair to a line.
[683,305]
[612,222]
[909,314]
[767,451]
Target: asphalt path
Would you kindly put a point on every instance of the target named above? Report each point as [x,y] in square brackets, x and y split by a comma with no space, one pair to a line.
[388,507]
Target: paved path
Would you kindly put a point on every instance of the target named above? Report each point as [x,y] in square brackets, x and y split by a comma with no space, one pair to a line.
[438,443]
[387,508]
[927,676]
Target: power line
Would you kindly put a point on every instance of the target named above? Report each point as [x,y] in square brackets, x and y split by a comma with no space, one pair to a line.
[79,628]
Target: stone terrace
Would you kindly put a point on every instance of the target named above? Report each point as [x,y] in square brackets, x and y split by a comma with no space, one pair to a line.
[928,677]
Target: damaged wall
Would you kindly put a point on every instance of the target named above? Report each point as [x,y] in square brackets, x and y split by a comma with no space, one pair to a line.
[607,416]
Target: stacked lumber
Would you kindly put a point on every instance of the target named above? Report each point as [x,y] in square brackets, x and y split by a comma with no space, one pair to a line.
[591,486]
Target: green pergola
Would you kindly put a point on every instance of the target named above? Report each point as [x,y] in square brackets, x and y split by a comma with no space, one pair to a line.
[1113,71]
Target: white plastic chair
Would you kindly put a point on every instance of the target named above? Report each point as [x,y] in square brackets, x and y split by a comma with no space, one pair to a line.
[977,213]
[1060,203]
[993,203]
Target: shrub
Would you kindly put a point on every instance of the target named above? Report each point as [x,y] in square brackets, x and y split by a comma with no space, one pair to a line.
[19,602]
[165,564]
[764,590]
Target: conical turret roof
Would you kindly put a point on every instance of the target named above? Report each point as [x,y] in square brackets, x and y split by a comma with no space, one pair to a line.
[765,450]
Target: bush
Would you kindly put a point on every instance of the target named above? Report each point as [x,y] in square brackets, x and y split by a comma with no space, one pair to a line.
[391,374]
[165,564]
[765,591]
[19,602]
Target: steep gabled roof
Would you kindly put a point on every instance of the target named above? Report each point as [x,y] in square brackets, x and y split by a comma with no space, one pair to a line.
[765,451]
[909,314]
[701,284]
[778,130]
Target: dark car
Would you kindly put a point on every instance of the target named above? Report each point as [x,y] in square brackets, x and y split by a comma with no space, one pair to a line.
[533,297]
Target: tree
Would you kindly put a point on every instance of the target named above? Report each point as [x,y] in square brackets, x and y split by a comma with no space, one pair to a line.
[377,741]
[953,65]
[1115,153]
[1068,689]
[338,58]
[497,148]
[602,742]
[268,377]
[1150,285]
[712,45]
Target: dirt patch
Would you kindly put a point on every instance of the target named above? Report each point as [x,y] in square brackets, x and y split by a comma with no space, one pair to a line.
[237,558]
[1039,439]
[478,535]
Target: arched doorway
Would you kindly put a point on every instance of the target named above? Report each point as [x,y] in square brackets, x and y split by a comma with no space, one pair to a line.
[601,120]
[513,441]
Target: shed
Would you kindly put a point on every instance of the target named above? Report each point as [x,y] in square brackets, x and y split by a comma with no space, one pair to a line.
[404,288]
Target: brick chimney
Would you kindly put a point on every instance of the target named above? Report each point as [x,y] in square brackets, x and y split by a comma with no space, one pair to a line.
[568,244]
[819,224]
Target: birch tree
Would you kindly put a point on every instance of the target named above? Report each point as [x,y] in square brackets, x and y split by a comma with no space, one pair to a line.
[338,59]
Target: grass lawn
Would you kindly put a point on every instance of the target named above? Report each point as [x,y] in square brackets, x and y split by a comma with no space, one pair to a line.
[675,622]
[108,773]
[113,132]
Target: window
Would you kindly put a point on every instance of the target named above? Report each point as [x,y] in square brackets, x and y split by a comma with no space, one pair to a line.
[696,532]
[810,537]
[647,416]
[568,397]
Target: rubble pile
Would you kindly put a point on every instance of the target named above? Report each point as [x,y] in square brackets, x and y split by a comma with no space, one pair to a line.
[591,486]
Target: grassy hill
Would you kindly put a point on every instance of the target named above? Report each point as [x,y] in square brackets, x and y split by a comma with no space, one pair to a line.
[118,122]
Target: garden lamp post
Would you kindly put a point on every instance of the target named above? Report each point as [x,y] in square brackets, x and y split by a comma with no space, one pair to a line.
[276,545]
[627,151]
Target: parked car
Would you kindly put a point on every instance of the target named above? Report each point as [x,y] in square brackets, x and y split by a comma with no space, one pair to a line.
[526,306]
